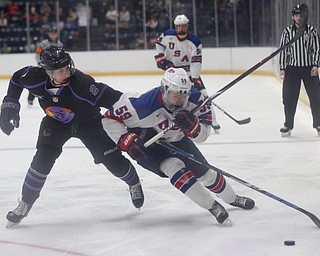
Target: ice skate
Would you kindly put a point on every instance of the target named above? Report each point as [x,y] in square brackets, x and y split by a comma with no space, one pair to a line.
[243,203]
[220,213]
[14,217]
[285,131]
[318,130]
[216,127]
[136,194]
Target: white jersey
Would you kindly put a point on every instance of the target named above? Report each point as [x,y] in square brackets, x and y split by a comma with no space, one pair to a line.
[186,53]
[148,111]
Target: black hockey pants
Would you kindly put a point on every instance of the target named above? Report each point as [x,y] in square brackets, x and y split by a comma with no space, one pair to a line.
[53,135]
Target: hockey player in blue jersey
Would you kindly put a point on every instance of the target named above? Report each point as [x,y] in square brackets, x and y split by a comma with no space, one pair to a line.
[181,48]
[134,119]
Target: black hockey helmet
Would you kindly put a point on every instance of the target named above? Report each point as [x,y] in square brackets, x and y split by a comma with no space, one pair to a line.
[296,9]
[53,29]
[53,57]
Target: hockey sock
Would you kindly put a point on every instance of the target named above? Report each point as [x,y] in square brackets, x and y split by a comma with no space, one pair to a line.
[185,181]
[217,184]
[131,177]
[32,185]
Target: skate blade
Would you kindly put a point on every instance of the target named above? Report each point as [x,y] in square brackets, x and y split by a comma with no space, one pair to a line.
[227,223]
[11,224]
[286,134]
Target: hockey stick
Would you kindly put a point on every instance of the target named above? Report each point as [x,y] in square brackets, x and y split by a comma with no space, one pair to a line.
[242,121]
[304,20]
[176,150]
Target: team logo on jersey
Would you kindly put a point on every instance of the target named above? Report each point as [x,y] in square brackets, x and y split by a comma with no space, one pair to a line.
[60,114]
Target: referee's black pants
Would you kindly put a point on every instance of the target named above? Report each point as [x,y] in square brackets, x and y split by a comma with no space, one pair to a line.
[291,91]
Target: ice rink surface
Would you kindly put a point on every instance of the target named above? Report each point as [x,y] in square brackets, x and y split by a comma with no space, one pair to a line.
[84,210]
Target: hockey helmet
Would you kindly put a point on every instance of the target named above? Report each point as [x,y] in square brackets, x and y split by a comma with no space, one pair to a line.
[53,29]
[181,24]
[54,57]
[181,20]
[296,9]
[177,81]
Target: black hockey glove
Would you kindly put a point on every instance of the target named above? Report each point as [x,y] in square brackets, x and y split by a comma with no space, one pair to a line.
[162,62]
[9,117]
[188,123]
[131,144]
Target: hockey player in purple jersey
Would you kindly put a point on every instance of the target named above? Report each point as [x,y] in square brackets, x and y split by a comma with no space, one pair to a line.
[71,101]
[181,48]
[134,119]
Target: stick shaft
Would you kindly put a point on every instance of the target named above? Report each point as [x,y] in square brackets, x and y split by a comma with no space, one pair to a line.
[175,150]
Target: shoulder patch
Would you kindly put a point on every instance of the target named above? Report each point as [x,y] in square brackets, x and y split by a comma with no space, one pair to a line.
[94,89]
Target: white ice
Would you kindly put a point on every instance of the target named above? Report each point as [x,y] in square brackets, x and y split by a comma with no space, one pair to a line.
[84,210]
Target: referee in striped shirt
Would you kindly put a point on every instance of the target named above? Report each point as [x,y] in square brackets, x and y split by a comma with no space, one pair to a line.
[299,62]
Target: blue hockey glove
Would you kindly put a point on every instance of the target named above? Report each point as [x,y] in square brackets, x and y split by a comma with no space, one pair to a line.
[9,117]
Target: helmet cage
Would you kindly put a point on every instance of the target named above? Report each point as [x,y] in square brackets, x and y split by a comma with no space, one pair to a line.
[175,80]
[181,21]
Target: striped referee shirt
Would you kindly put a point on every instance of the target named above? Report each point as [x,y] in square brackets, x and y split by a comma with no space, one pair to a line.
[302,53]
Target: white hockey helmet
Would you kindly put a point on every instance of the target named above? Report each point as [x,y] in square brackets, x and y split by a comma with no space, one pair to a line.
[181,24]
[176,80]
[181,20]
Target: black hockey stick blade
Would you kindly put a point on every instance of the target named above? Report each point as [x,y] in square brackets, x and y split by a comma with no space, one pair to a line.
[243,121]
[191,157]
[313,217]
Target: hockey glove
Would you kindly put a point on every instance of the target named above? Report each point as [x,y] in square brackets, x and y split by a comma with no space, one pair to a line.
[144,134]
[162,62]
[9,117]
[188,123]
[198,84]
[131,144]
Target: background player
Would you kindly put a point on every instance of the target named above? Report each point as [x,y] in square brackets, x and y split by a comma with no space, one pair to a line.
[182,49]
